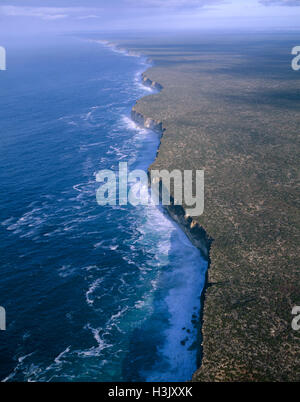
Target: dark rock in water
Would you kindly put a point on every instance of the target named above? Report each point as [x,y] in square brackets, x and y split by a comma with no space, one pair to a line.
[193,346]
[184,341]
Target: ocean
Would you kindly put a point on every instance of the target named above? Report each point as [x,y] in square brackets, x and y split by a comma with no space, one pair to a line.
[92,293]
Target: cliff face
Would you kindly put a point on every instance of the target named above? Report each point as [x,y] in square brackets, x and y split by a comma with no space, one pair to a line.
[240,125]
[194,231]
[139,118]
[152,84]
[146,122]
[191,228]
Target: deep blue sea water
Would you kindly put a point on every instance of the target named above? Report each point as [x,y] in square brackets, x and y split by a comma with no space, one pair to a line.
[91,293]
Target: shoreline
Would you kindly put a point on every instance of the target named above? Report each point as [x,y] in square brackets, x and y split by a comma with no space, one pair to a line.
[194,232]
[228,124]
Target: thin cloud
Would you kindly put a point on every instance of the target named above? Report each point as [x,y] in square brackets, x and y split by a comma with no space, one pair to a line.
[173,4]
[54,16]
[47,13]
[289,3]
[87,17]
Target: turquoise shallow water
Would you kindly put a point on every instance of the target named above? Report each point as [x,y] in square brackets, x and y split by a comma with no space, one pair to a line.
[92,293]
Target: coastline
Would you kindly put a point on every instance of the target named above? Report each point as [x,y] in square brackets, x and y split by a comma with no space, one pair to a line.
[238,137]
[192,229]
[137,277]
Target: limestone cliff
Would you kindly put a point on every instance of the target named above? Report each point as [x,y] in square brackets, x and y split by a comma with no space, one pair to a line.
[149,83]
[146,122]
[242,130]
[194,231]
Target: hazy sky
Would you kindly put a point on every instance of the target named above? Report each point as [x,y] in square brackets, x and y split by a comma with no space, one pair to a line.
[109,15]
